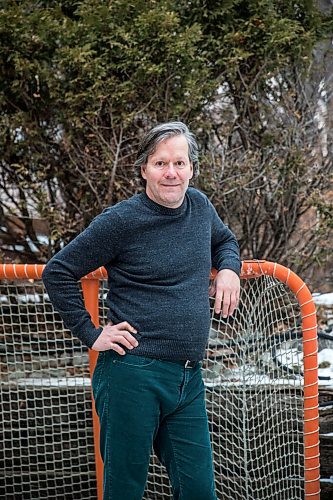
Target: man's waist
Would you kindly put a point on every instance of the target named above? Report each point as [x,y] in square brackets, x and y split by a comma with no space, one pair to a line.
[179,351]
[187,363]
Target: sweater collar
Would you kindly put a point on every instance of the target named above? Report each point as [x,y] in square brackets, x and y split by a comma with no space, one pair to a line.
[161,209]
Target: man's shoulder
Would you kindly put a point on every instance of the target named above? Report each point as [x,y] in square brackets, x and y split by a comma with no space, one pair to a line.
[197,196]
[114,215]
[123,207]
[201,204]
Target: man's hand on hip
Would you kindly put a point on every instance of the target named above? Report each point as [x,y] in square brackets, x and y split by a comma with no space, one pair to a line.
[226,288]
[115,336]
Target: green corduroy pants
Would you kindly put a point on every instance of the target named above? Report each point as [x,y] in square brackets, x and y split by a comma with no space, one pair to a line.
[146,403]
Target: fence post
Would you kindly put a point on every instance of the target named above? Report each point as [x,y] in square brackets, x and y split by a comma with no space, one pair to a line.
[90,293]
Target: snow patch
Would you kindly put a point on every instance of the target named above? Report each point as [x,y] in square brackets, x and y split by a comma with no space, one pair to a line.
[55,382]
[326,356]
[324,299]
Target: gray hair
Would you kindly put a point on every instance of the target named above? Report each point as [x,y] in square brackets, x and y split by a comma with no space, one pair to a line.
[161,133]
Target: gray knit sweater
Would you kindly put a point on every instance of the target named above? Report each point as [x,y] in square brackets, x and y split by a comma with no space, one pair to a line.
[158,262]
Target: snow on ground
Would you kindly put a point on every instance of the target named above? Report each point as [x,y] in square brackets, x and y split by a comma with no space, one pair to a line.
[290,357]
[324,299]
[326,356]
[219,375]
[55,382]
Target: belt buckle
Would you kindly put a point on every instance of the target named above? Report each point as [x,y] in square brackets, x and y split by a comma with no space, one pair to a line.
[190,364]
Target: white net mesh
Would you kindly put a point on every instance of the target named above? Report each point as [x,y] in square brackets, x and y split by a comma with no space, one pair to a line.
[254,393]
[46,419]
[253,375]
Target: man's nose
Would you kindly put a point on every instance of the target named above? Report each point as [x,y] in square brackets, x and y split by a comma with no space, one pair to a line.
[170,171]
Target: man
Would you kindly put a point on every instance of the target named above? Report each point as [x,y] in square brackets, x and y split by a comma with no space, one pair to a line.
[158,248]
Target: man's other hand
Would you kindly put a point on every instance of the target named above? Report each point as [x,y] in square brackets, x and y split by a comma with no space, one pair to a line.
[115,336]
[226,288]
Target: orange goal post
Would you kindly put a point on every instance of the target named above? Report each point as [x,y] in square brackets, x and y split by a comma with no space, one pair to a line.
[261,378]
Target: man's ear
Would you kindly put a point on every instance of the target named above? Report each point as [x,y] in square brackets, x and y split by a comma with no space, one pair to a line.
[192,171]
[143,171]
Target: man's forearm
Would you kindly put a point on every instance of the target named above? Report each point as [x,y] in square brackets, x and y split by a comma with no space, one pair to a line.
[66,297]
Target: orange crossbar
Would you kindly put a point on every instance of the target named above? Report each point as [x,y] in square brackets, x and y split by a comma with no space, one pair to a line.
[250,269]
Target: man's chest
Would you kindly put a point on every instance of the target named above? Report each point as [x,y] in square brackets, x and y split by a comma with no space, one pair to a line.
[166,251]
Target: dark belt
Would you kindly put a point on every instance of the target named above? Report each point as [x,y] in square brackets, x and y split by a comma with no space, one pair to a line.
[185,364]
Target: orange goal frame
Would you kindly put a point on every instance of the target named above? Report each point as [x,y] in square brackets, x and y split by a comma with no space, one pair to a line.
[250,269]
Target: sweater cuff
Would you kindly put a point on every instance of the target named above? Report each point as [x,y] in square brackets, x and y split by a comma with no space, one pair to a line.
[88,338]
[233,266]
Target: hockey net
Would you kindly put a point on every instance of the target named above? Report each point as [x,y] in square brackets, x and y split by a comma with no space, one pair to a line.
[261,394]
[46,429]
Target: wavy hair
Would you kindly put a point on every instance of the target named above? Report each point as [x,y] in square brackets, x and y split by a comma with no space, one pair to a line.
[160,133]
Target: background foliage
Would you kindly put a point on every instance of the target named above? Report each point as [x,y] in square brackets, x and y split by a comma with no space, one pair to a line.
[81,81]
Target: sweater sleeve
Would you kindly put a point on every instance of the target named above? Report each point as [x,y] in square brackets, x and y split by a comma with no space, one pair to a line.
[96,246]
[225,249]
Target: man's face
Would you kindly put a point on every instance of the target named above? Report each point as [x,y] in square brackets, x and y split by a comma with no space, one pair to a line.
[168,171]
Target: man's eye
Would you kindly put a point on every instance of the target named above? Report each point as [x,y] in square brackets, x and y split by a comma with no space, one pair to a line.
[159,164]
[180,163]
